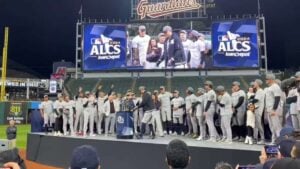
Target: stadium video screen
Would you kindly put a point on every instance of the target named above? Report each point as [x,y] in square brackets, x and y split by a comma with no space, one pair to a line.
[134,47]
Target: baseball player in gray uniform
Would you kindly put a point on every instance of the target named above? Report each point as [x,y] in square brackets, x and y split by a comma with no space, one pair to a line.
[47,112]
[190,99]
[226,113]
[68,113]
[199,105]
[209,110]
[272,103]
[165,99]
[238,97]
[89,105]
[58,108]
[259,101]
[292,99]
[79,114]
[177,106]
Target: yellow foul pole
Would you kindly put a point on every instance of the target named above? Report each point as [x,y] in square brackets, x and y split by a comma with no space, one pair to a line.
[4,64]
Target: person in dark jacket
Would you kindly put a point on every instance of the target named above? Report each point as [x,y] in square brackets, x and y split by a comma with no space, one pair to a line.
[148,108]
[173,50]
[11,133]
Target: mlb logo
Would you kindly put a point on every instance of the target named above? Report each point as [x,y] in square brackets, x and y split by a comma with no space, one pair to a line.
[223,38]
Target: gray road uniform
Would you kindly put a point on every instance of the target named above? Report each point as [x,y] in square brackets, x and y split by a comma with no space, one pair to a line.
[210,108]
[89,114]
[68,115]
[100,112]
[226,115]
[260,105]
[79,115]
[200,115]
[177,103]
[240,107]
[293,108]
[165,100]
[191,117]
[272,104]
[47,107]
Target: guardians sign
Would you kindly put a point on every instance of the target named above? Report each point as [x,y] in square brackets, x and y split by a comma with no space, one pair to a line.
[155,10]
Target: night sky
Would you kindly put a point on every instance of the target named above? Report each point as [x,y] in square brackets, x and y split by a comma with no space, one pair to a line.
[43,31]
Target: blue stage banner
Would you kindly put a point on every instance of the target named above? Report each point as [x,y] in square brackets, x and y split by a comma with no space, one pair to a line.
[104,47]
[235,44]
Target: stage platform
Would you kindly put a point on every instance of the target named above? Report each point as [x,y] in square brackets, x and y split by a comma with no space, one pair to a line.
[137,154]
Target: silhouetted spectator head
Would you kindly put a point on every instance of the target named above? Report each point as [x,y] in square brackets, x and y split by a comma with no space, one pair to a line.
[85,157]
[223,165]
[285,147]
[287,163]
[178,155]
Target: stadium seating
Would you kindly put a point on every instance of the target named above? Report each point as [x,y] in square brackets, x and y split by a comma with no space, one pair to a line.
[121,85]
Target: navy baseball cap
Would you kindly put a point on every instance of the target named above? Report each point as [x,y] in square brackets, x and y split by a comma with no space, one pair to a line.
[287,131]
[86,157]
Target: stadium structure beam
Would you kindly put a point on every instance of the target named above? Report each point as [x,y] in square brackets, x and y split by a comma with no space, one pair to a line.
[4,64]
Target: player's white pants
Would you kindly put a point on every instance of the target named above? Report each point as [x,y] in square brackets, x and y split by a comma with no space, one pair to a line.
[110,122]
[166,113]
[192,123]
[137,119]
[275,126]
[226,126]
[49,119]
[211,125]
[239,119]
[296,120]
[202,125]
[259,128]
[88,118]
[68,119]
[100,119]
[79,120]
[156,120]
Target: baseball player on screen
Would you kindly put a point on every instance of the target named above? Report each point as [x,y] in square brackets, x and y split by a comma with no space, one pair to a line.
[186,46]
[140,45]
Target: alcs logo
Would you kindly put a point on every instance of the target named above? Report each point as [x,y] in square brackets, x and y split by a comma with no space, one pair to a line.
[105,48]
[234,45]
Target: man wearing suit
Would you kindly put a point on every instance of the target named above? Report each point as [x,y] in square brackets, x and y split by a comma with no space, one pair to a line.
[173,50]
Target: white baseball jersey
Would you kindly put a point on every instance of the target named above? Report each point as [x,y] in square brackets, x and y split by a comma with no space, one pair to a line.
[235,99]
[141,43]
[100,102]
[189,100]
[91,100]
[195,50]
[47,106]
[260,104]
[165,99]
[226,101]
[211,96]
[298,102]
[293,106]
[186,46]
[162,46]
[200,107]
[68,106]
[272,92]
[177,102]
[79,103]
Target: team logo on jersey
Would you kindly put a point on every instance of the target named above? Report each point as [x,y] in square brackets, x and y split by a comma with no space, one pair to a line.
[105,48]
[234,45]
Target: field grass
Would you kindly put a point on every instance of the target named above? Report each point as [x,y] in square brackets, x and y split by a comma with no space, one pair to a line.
[21,134]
